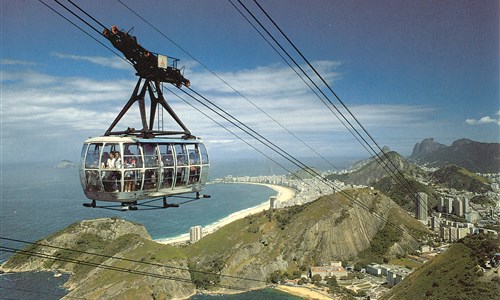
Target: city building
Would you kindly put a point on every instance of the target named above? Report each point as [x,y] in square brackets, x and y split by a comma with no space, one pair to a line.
[272,202]
[395,276]
[195,234]
[448,205]
[441,205]
[333,269]
[458,208]
[421,206]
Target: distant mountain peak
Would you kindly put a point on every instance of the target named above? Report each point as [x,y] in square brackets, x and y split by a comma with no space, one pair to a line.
[425,147]
[472,155]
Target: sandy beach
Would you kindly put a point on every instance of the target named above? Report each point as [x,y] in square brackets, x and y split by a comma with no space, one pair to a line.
[303,292]
[284,194]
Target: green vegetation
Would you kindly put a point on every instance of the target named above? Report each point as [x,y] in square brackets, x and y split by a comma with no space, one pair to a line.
[207,277]
[405,262]
[483,200]
[458,178]
[455,274]
[381,242]
[483,246]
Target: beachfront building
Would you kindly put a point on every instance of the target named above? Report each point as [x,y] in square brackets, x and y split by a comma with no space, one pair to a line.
[333,269]
[195,234]
[273,202]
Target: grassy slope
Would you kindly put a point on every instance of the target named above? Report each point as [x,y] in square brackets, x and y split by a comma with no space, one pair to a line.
[451,275]
[461,179]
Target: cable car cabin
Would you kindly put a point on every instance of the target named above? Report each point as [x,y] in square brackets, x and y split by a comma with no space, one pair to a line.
[127,168]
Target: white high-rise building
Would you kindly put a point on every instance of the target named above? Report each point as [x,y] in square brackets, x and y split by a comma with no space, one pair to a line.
[441,206]
[195,234]
[449,205]
[421,206]
[458,207]
[465,204]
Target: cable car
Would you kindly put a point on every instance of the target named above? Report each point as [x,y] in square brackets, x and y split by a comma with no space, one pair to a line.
[132,165]
[127,169]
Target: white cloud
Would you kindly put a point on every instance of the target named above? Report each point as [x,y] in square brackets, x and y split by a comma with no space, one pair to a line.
[73,108]
[16,62]
[114,62]
[483,120]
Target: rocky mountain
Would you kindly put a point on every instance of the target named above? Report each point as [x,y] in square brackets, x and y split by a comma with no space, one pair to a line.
[241,255]
[374,169]
[474,156]
[425,147]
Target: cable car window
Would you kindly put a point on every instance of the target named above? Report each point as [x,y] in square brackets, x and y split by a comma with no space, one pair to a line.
[166,153]
[84,151]
[180,150]
[150,155]
[110,155]
[132,157]
[168,178]
[182,176]
[92,181]
[194,154]
[194,175]
[150,178]
[92,158]
[111,159]
[204,154]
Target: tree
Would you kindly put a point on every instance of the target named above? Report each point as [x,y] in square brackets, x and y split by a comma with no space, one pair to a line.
[316,278]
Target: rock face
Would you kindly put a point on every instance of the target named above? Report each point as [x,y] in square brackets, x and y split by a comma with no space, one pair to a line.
[425,147]
[331,228]
[93,251]
[472,155]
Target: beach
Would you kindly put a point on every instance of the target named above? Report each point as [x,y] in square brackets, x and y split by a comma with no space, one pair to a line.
[304,292]
[284,194]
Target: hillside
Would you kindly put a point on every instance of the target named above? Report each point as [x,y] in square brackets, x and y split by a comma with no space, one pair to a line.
[291,240]
[455,274]
[458,178]
[472,155]
[288,240]
[403,195]
[374,169]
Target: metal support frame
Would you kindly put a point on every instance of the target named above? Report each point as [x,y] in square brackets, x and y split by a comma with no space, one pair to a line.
[156,97]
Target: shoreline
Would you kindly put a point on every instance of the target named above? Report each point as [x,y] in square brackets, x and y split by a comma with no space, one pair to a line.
[283,194]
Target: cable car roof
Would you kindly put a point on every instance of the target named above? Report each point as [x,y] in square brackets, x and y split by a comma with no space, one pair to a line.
[134,139]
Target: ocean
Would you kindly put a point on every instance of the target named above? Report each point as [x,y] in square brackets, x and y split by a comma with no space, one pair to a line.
[37,199]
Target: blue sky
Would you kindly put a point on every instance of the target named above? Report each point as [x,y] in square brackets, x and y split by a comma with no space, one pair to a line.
[408,70]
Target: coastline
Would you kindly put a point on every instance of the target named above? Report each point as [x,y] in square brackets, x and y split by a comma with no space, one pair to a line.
[284,194]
